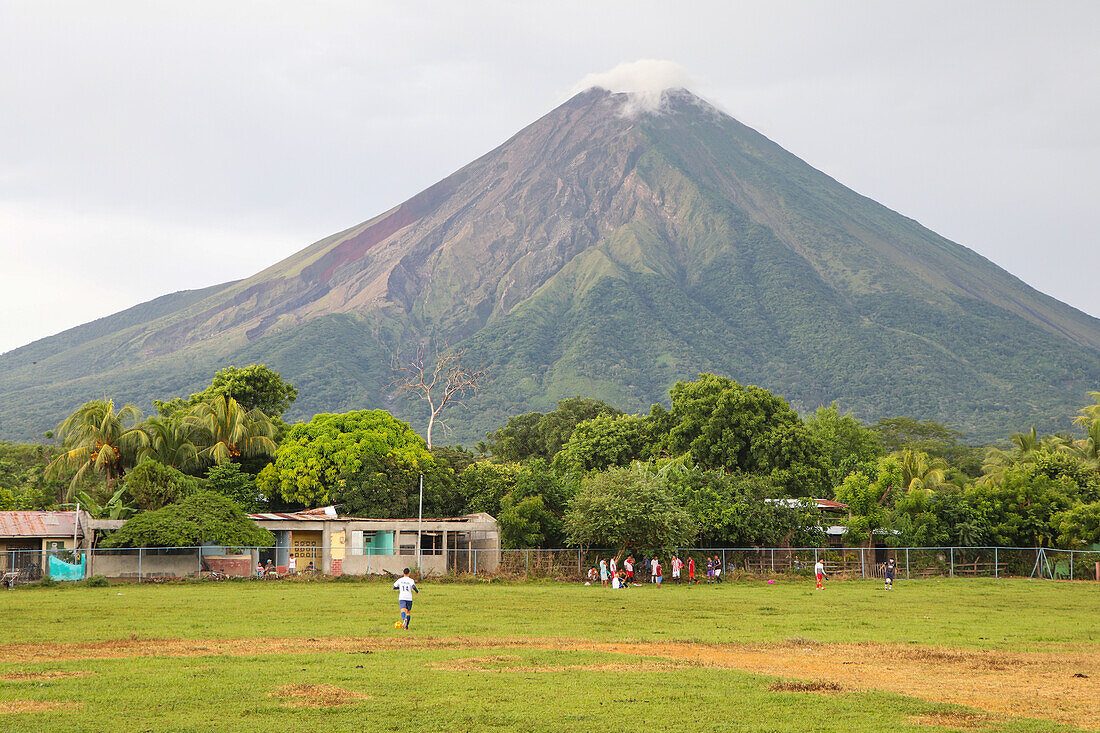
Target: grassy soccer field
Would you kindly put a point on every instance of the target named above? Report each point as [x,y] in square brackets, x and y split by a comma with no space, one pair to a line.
[988,655]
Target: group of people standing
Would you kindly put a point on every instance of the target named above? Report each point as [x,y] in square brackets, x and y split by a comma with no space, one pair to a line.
[610,574]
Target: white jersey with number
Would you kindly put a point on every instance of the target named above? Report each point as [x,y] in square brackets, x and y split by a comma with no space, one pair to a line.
[819,568]
[405,587]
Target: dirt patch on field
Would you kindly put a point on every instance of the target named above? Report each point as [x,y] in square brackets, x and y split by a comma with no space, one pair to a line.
[35,706]
[317,696]
[43,676]
[1058,683]
[502,663]
[1054,685]
[800,686]
[128,648]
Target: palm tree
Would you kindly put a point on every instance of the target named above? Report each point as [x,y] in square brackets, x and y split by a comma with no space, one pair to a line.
[96,438]
[1089,448]
[1091,414]
[172,441]
[229,431]
[921,473]
[1026,442]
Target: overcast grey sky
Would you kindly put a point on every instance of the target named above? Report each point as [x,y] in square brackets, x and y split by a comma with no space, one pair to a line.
[152,147]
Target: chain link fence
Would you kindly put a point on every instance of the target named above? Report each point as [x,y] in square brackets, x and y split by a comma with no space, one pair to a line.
[570,564]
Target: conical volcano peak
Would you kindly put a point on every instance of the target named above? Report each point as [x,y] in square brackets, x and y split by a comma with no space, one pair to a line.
[647,85]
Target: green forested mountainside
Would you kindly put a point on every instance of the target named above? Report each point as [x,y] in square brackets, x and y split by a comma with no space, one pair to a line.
[608,256]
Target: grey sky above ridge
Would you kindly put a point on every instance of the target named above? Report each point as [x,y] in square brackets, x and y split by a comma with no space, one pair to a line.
[146,149]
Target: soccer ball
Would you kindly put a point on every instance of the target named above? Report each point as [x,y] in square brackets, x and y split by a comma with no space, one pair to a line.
[398,625]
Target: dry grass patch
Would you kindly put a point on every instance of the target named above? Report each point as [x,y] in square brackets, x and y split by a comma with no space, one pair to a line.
[44,676]
[1039,684]
[803,686]
[35,706]
[317,696]
[955,719]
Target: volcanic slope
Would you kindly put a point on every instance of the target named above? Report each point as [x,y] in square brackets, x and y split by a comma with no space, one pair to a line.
[608,255]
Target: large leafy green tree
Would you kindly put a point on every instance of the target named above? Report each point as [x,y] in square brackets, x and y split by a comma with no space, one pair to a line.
[151,485]
[850,445]
[97,438]
[723,424]
[741,510]
[254,387]
[1024,506]
[865,500]
[316,460]
[538,435]
[603,442]
[203,517]
[483,485]
[1079,527]
[627,507]
[229,480]
[24,483]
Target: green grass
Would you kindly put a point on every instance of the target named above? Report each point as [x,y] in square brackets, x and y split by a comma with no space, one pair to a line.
[515,688]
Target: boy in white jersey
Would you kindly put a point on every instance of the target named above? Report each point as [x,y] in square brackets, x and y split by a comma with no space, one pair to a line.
[819,573]
[405,587]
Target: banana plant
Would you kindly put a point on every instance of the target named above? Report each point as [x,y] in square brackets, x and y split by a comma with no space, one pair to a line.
[114,508]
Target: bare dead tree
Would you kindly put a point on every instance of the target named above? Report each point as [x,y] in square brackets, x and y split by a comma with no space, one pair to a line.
[439,382]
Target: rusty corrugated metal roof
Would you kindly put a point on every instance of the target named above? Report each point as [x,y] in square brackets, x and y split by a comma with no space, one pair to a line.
[36,524]
[312,515]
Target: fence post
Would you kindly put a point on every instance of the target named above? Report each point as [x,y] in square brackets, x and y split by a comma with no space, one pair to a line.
[952,549]
[773,560]
[724,559]
[996,567]
[1071,564]
[907,563]
[862,564]
[139,564]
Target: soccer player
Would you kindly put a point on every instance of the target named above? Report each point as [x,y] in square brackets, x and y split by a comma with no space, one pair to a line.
[677,563]
[603,573]
[889,568]
[657,577]
[691,570]
[819,573]
[628,566]
[405,587]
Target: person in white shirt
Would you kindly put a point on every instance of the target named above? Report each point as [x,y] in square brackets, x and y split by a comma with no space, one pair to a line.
[292,564]
[677,564]
[405,587]
[653,565]
[819,573]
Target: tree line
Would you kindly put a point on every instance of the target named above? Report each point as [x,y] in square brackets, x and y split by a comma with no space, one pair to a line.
[724,464]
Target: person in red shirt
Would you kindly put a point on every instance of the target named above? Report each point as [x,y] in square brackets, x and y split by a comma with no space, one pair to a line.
[691,570]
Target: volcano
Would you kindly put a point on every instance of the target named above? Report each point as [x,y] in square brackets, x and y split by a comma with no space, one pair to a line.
[607,250]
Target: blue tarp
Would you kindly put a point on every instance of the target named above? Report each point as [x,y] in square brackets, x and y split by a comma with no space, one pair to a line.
[61,570]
